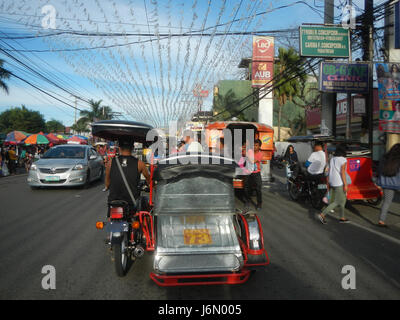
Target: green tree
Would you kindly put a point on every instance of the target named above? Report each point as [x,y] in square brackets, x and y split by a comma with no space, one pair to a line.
[97,112]
[290,75]
[81,125]
[54,126]
[4,75]
[22,119]
[230,103]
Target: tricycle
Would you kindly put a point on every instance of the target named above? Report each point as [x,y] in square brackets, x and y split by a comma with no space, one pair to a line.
[190,224]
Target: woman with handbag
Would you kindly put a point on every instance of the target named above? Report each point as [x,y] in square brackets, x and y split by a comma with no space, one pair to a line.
[389,180]
[337,184]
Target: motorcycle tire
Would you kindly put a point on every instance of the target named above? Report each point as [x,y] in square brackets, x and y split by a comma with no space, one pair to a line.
[316,200]
[294,192]
[121,257]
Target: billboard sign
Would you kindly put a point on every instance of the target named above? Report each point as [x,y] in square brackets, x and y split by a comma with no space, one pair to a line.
[262,73]
[343,77]
[328,42]
[389,96]
[263,48]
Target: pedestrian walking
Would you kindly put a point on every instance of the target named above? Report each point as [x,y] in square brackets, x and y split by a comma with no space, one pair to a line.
[252,181]
[337,184]
[12,156]
[389,180]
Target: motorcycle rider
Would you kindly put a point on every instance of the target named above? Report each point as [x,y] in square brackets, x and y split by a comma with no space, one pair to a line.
[132,168]
[316,163]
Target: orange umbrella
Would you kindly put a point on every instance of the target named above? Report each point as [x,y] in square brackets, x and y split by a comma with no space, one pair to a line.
[36,139]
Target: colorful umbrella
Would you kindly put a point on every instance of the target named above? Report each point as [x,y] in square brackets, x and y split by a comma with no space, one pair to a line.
[76,139]
[15,137]
[63,137]
[82,137]
[36,139]
[55,139]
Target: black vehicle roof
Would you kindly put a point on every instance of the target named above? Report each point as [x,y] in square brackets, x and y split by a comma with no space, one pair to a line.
[194,165]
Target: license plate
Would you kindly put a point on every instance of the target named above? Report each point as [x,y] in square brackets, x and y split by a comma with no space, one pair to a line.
[322,186]
[52,178]
[196,236]
[117,227]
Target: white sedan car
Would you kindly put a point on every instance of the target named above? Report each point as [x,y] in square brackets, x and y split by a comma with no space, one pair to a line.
[66,165]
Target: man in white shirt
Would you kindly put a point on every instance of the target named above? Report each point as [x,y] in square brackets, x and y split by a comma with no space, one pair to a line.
[191,144]
[317,161]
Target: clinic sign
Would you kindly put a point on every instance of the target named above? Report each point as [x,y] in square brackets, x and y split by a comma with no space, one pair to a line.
[327,42]
[343,77]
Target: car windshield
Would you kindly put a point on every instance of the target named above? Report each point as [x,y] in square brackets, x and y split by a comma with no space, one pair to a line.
[65,152]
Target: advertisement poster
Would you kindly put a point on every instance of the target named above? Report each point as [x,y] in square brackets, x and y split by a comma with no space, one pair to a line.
[320,41]
[263,49]
[262,73]
[389,96]
[342,77]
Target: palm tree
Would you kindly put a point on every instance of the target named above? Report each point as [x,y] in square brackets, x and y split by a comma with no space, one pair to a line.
[4,74]
[290,75]
[230,103]
[97,112]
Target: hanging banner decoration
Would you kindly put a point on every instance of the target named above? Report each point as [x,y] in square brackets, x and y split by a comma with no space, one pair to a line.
[262,73]
[328,42]
[343,77]
[389,96]
[263,49]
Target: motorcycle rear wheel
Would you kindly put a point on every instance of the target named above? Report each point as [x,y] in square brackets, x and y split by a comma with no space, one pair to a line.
[121,257]
[294,191]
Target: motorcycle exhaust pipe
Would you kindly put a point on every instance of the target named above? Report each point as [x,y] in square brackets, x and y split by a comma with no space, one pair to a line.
[138,252]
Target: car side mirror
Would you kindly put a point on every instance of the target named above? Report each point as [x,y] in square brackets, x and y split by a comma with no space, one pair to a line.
[92,157]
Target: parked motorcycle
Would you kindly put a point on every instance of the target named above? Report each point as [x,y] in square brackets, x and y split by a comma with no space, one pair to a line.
[302,186]
[278,162]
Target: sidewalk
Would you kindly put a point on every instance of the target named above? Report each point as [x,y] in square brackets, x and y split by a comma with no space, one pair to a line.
[19,171]
[361,212]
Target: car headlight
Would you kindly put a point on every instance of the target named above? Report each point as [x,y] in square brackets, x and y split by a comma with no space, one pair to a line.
[33,167]
[78,167]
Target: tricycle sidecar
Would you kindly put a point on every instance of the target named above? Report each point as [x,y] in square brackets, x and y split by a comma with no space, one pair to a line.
[200,237]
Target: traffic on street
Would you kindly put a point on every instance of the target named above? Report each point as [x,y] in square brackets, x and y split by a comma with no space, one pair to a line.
[197,156]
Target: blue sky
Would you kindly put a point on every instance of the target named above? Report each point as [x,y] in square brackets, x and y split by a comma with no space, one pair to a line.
[150,81]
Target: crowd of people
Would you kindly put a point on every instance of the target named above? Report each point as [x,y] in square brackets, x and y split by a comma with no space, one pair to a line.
[13,157]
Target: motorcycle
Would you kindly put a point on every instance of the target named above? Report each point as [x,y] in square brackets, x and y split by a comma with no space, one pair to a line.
[128,230]
[303,186]
[278,162]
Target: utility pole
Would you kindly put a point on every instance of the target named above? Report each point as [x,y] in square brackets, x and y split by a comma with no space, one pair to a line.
[328,100]
[75,112]
[368,42]
[349,101]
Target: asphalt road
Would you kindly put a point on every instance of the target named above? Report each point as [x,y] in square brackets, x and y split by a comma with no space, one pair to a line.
[57,227]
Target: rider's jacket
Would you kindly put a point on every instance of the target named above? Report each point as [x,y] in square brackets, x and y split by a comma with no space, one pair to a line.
[118,190]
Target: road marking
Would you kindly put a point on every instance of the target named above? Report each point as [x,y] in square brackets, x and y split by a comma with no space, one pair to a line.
[390,238]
